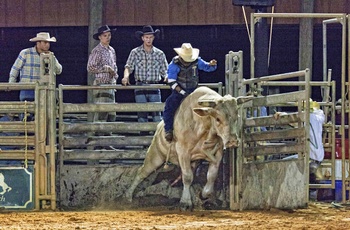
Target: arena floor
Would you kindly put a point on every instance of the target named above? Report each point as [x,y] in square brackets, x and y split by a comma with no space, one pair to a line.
[317,216]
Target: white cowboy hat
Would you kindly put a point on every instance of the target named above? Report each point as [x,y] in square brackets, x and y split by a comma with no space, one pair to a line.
[187,53]
[43,36]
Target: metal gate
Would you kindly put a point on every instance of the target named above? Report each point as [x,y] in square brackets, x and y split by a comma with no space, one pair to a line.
[28,147]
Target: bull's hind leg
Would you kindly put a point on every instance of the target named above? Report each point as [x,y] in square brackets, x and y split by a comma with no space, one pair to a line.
[150,164]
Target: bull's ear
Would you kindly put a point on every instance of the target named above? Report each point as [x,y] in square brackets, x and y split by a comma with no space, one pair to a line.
[244,99]
[202,111]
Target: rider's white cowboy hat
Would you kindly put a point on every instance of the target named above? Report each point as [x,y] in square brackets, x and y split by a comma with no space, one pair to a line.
[43,36]
[187,53]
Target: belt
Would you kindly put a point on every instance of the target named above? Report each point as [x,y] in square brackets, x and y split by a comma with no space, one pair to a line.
[146,91]
[147,82]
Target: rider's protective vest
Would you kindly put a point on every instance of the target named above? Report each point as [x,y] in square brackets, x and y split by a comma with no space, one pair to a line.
[188,76]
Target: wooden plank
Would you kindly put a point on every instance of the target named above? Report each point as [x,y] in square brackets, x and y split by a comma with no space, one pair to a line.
[214,11]
[228,14]
[14,13]
[160,14]
[31,8]
[196,12]
[178,12]
[68,12]
[3,9]
[124,13]
[50,13]
[35,13]
[82,17]
[287,6]
[143,12]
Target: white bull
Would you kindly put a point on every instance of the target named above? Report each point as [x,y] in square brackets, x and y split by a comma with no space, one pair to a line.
[205,124]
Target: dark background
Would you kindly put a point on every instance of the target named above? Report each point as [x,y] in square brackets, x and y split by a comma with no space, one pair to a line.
[214,42]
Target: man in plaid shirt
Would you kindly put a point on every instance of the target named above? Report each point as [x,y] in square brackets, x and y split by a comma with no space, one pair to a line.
[102,63]
[27,64]
[149,65]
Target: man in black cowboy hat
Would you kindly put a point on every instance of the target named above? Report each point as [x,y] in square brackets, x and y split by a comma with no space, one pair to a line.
[102,63]
[149,65]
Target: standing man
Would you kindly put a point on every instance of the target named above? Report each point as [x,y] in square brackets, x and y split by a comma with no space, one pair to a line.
[27,65]
[149,65]
[102,63]
[183,79]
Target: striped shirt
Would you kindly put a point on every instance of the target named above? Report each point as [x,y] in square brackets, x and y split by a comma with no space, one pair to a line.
[147,66]
[100,57]
[27,65]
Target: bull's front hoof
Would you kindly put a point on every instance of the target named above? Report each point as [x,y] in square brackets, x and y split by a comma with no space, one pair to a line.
[186,207]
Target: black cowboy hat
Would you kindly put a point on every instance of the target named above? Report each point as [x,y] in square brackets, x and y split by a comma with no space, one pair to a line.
[146,30]
[101,30]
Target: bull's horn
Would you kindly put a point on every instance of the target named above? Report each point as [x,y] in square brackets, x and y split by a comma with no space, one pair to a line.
[207,102]
[244,99]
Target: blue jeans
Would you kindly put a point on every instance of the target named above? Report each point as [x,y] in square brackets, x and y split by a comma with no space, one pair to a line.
[143,96]
[172,103]
[26,95]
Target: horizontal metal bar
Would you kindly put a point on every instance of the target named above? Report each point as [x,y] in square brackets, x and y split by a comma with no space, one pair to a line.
[274,135]
[273,150]
[129,87]
[17,140]
[103,154]
[17,126]
[17,155]
[298,15]
[276,99]
[115,141]
[271,121]
[108,127]
[294,83]
[274,77]
[115,107]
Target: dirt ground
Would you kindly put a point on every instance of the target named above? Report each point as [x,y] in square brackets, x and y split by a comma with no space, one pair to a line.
[316,216]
